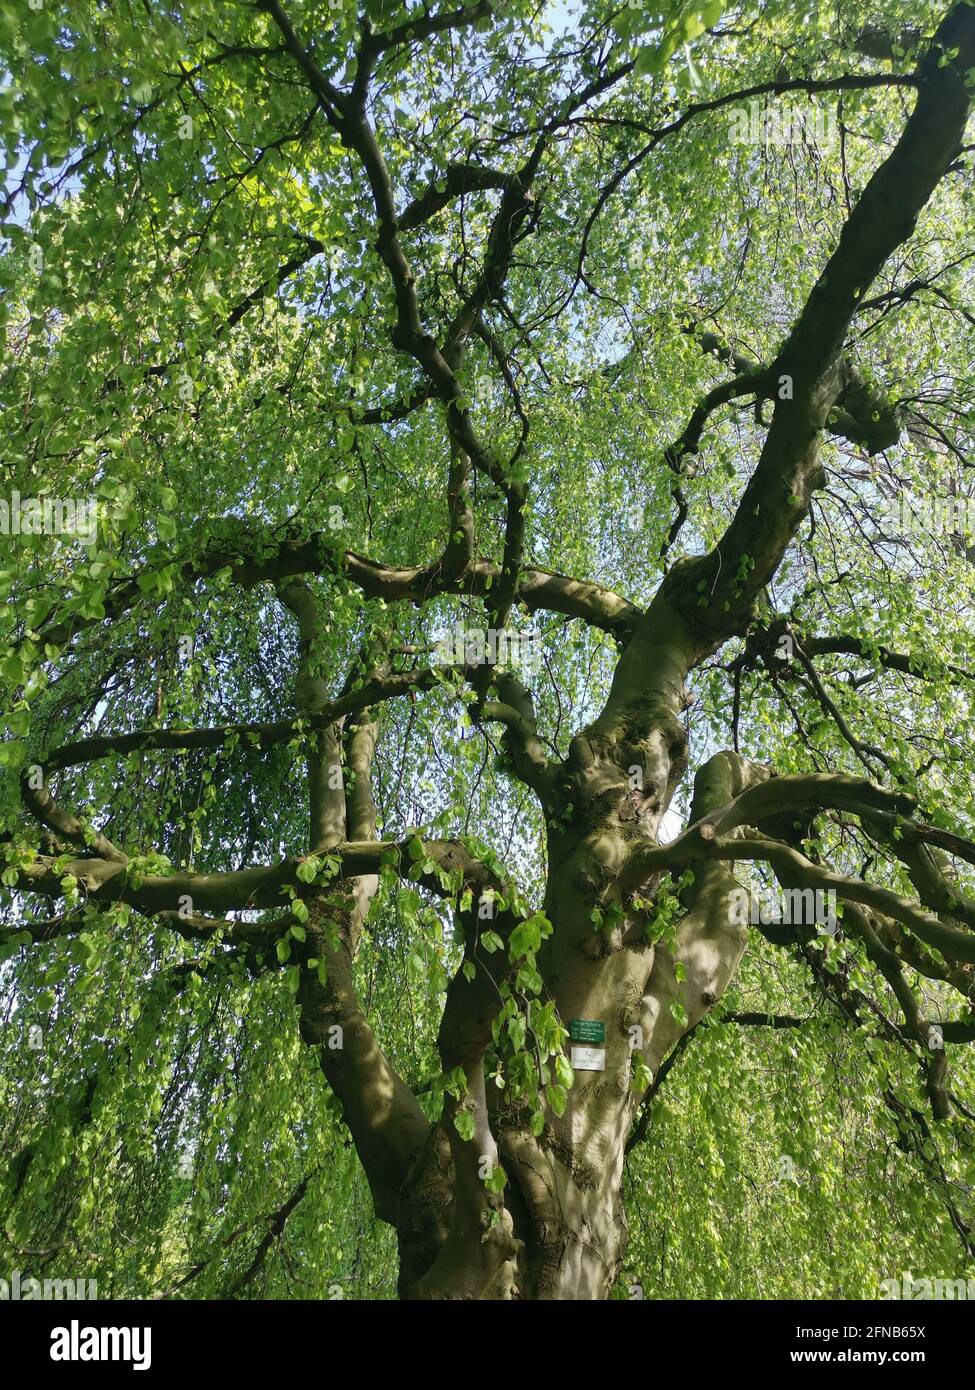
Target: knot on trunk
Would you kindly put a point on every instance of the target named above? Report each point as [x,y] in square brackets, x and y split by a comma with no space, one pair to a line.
[635,803]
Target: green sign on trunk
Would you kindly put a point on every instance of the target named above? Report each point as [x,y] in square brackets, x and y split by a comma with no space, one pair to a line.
[587,1030]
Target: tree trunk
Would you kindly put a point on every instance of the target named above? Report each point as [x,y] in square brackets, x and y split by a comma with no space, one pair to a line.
[562,1232]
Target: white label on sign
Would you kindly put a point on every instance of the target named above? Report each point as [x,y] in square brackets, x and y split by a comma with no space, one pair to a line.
[587,1058]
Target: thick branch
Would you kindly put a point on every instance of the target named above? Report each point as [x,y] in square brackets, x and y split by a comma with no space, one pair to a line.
[778,494]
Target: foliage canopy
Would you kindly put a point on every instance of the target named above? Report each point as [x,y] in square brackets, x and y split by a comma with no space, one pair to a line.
[623,328]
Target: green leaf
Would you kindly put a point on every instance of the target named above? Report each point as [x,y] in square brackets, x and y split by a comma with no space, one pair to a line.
[464,1124]
[558,1098]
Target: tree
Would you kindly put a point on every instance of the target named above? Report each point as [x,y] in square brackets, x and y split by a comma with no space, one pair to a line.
[498,611]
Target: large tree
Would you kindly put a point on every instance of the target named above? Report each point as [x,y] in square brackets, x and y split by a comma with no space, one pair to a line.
[494,414]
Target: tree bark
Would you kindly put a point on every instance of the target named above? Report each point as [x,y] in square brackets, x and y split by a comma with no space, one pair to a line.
[562,1231]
